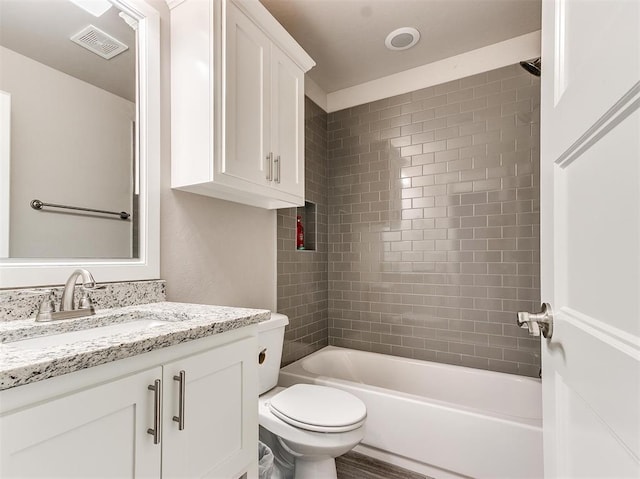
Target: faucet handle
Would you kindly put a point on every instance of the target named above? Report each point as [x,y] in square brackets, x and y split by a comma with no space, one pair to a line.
[85,300]
[47,307]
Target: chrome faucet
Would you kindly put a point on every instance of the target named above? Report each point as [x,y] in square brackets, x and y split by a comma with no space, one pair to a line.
[67,310]
[88,283]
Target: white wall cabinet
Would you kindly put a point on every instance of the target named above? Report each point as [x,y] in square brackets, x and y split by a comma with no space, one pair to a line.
[237,103]
[101,429]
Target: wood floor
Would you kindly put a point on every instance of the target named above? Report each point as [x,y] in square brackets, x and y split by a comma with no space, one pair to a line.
[354,465]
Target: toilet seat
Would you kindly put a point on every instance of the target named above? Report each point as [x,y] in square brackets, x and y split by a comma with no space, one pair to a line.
[318,408]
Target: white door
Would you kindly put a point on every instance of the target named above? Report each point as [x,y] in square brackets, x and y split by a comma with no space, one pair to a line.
[590,244]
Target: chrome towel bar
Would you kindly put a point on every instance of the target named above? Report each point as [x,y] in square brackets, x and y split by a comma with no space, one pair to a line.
[38,205]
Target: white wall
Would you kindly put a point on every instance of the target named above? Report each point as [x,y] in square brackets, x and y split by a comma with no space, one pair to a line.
[70,144]
[466,64]
[212,251]
[5,155]
[315,93]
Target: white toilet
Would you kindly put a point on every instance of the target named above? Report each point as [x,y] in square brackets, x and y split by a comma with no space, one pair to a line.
[306,426]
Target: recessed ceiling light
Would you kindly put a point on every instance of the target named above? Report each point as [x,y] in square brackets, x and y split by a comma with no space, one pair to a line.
[402,38]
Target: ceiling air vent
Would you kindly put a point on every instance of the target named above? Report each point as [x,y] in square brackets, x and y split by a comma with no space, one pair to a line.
[99,42]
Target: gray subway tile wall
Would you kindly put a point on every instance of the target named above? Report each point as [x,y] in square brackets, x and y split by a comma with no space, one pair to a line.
[433,215]
[302,275]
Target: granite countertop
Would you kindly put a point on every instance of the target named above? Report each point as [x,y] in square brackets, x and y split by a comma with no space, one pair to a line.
[174,323]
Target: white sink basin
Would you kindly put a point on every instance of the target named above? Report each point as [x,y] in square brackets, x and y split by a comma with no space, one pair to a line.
[60,339]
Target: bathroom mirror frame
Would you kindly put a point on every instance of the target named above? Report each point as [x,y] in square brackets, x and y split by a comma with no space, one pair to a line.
[21,272]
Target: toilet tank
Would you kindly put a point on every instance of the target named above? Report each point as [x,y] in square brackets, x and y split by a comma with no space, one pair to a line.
[270,343]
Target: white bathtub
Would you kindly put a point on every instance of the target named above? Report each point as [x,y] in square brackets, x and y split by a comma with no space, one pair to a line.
[440,420]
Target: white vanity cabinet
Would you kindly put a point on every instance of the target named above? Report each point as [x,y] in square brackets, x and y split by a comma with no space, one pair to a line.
[97,422]
[237,103]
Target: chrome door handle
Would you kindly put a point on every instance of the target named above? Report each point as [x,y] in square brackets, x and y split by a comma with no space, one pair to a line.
[538,322]
[156,432]
[277,161]
[180,417]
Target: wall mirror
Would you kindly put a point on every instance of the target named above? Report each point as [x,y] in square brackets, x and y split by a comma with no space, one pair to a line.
[79,140]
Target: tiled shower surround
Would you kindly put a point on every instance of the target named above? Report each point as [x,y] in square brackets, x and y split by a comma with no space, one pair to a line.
[302,275]
[433,226]
[434,222]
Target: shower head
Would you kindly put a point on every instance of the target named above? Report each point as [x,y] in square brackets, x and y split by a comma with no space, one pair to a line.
[532,66]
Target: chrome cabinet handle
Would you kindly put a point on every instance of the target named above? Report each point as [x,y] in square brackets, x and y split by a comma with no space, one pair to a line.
[277,160]
[156,432]
[270,166]
[180,417]
[537,322]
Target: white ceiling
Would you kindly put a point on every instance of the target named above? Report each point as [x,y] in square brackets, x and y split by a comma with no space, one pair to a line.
[40,29]
[346,37]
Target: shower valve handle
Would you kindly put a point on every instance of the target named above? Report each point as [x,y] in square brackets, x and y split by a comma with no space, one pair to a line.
[537,323]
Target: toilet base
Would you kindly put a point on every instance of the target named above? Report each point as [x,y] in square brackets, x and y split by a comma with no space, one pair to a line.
[315,468]
[288,465]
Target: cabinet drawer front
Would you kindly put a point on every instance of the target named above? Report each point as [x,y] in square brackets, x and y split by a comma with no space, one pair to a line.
[97,432]
[220,412]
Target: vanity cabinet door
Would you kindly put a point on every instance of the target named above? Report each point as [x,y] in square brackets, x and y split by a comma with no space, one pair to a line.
[96,432]
[220,434]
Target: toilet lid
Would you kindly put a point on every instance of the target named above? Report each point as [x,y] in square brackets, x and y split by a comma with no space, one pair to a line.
[319,408]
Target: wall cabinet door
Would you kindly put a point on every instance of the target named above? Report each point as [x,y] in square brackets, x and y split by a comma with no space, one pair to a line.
[248,138]
[97,432]
[219,394]
[287,122]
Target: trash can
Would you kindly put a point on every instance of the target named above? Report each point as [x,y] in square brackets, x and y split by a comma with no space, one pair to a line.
[265,461]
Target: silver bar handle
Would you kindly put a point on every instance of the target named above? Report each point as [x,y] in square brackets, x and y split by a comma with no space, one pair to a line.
[277,160]
[270,167]
[180,417]
[156,432]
